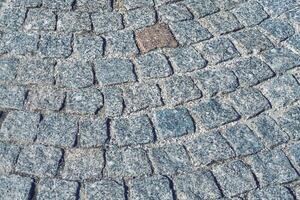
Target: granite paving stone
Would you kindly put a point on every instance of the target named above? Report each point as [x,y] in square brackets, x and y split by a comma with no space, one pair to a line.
[294,42]
[27,3]
[8,156]
[39,160]
[89,47]
[93,5]
[290,123]
[228,4]
[271,192]
[174,12]
[294,154]
[44,20]
[9,68]
[55,46]
[15,187]
[131,4]
[140,18]
[12,96]
[73,21]
[202,8]
[107,22]
[278,29]
[114,102]
[12,18]
[58,4]
[277,7]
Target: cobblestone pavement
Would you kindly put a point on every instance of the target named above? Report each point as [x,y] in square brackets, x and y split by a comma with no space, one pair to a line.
[150,99]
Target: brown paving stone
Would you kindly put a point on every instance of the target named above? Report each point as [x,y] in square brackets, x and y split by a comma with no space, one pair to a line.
[156,36]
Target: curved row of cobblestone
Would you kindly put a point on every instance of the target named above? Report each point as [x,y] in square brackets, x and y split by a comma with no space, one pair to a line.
[150,99]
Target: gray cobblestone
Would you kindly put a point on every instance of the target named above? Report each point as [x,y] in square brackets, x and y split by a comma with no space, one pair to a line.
[93,132]
[271,192]
[127,162]
[140,18]
[107,22]
[294,154]
[46,98]
[173,123]
[27,3]
[186,59]
[234,178]
[40,20]
[272,167]
[268,130]
[117,71]
[223,22]
[252,41]
[156,187]
[39,160]
[290,122]
[104,189]
[294,42]
[15,187]
[243,140]
[211,113]
[141,97]
[278,29]
[282,90]
[12,18]
[58,4]
[8,157]
[249,102]
[20,126]
[277,7]
[174,12]
[74,21]
[218,50]
[130,4]
[170,159]
[81,164]
[250,13]
[251,71]
[93,5]
[208,148]
[56,189]
[84,101]
[133,131]
[213,81]
[89,47]
[228,4]
[202,8]
[12,96]
[8,70]
[180,89]
[58,129]
[56,46]
[153,65]
[188,32]
[197,185]
[114,103]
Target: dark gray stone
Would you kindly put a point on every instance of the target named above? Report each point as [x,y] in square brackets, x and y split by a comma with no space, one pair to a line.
[234,178]
[252,41]
[142,97]
[174,12]
[73,21]
[9,68]
[58,4]
[218,50]
[271,192]
[12,18]
[250,13]
[56,189]
[122,44]
[130,4]
[40,19]
[114,71]
[242,139]
[272,167]
[170,159]
[89,47]
[223,22]
[212,113]
[282,90]
[290,122]
[278,29]
[114,103]
[12,96]
[39,160]
[93,132]
[8,157]
[268,130]
[173,123]
[46,98]
[104,189]
[156,187]
[214,81]
[197,185]
[57,129]
[209,148]
[202,8]
[251,71]
[127,162]
[107,22]
[20,126]
[249,102]
[133,130]
[140,18]
[81,164]
[55,45]
[189,32]
[186,59]
[153,65]
[281,60]
[15,187]
[84,101]
[180,89]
